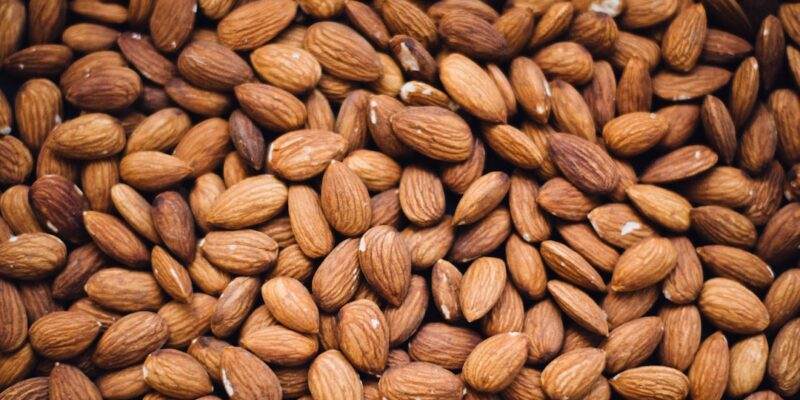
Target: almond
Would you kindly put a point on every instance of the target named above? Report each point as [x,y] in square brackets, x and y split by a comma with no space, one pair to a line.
[177,374]
[481,98]
[245,376]
[748,315]
[572,374]
[579,306]
[342,51]
[655,382]
[249,202]
[344,200]
[364,336]
[782,355]
[302,154]
[385,263]
[583,163]
[244,28]
[444,345]
[330,375]
[420,380]
[494,363]
[481,287]
[255,251]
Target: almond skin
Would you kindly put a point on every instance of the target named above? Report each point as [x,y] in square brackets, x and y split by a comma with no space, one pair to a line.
[342,51]
[331,373]
[749,316]
[420,380]
[657,253]
[433,131]
[385,262]
[291,304]
[63,334]
[482,369]
[129,340]
[572,374]
[364,336]
[481,287]
[584,164]
[664,383]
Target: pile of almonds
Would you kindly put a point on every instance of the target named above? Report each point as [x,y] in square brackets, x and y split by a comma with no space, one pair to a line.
[399,199]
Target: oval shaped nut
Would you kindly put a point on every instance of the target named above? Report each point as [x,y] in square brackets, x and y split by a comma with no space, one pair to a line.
[31,256]
[123,383]
[748,364]
[124,290]
[737,264]
[572,374]
[63,334]
[469,34]
[783,298]
[724,226]
[187,321]
[244,376]
[785,353]
[176,374]
[631,343]
[140,52]
[583,163]
[196,100]
[59,204]
[434,131]
[651,382]
[378,171]
[271,107]
[482,237]
[308,223]
[160,131]
[481,287]
[174,223]
[422,196]
[567,61]
[682,163]
[153,170]
[531,88]
[251,201]
[68,382]
[287,67]
[291,304]
[243,252]
[105,89]
[420,380]
[405,319]
[342,51]
[634,133]
[337,277]
[444,345]
[303,154]
[385,263]
[364,336]
[13,330]
[331,377]
[562,199]
[115,239]
[482,196]
[732,307]
[480,97]
[171,275]
[644,264]
[280,346]
[698,82]
[683,39]
[16,161]
[345,200]
[129,340]
[235,301]
[494,363]
[253,24]
[88,137]
[708,375]
[661,206]
[38,107]
[212,66]
[579,307]
[571,266]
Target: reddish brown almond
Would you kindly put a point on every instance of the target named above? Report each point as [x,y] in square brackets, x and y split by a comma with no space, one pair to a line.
[783,354]
[657,254]
[700,81]
[746,315]
[176,374]
[291,304]
[570,266]
[708,375]
[737,264]
[444,345]
[331,376]
[579,306]
[385,263]
[583,163]
[434,131]
[364,336]
[249,202]
[405,319]
[782,300]
[213,66]
[572,374]
[652,382]
[246,27]
[300,155]
[344,200]
[422,196]
[342,51]
[420,380]
[244,376]
[124,290]
[634,133]
[255,251]
[685,162]
[631,343]
[63,334]
[619,225]
[129,340]
[445,286]
[682,333]
[494,363]
[662,206]
[115,239]
[748,365]
[68,382]
[481,287]
[683,40]
[271,107]
[481,98]
[482,196]
[545,330]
